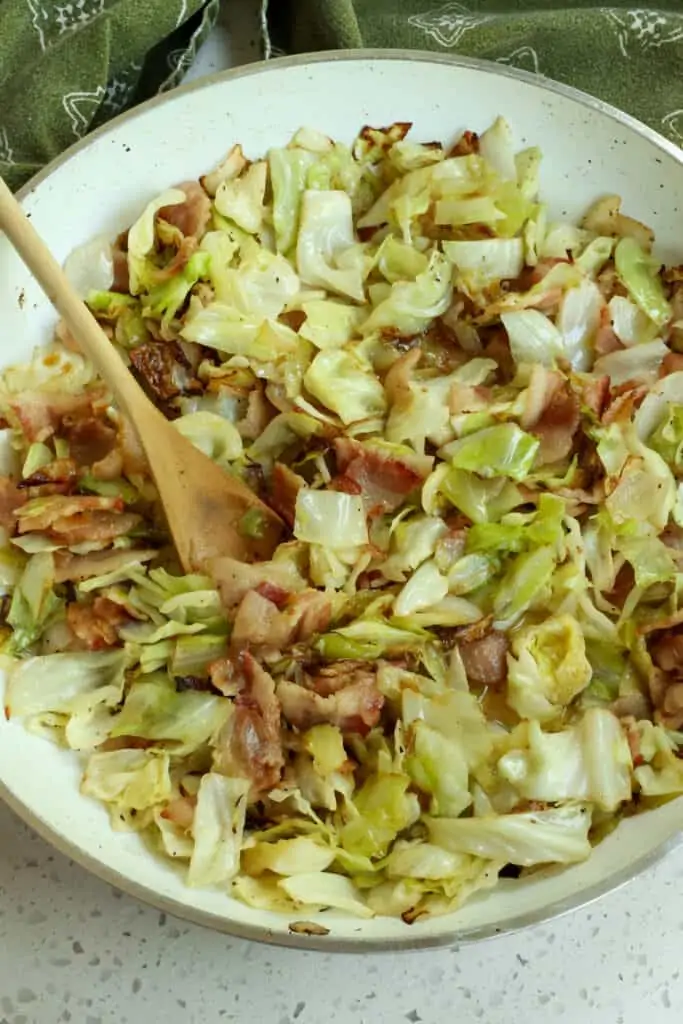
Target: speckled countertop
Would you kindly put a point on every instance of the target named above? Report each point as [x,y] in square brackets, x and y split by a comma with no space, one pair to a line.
[74,949]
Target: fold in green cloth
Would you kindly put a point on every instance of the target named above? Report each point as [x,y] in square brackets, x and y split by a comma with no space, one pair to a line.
[630,56]
[67,66]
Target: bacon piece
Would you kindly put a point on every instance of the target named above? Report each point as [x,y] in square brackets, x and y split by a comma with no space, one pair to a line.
[161,365]
[42,514]
[96,624]
[39,414]
[58,477]
[259,622]
[235,579]
[625,400]
[90,440]
[258,415]
[399,376]
[593,393]
[11,500]
[121,281]
[181,811]
[485,659]
[94,527]
[467,144]
[606,340]
[250,744]
[285,486]
[382,479]
[671,363]
[553,414]
[186,249]
[278,595]
[191,217]
[354,707]
[80,567]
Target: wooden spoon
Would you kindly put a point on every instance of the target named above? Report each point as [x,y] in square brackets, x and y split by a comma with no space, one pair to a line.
[204,505]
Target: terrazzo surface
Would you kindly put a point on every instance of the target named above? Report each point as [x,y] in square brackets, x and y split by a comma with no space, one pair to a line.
[74,949]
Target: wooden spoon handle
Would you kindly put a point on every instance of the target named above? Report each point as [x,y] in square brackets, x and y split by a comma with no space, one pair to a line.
[80,321]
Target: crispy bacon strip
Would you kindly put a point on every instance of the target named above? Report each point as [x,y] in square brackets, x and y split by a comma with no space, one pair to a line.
[259,622]
[250,744]
[485,659]
[382,479]
[96,624]
[191,218]
[354,707]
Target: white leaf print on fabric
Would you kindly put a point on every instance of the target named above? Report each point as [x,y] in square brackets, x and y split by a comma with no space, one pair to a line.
[179,60]
[640,29]
[120,90]
[81,107]
[448,23]
[182,13]
[51,21]
[6,151]
[524,57]
[673,125]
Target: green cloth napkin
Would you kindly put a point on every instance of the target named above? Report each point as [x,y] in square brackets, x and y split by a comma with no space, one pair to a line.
[630,56]
[67,66]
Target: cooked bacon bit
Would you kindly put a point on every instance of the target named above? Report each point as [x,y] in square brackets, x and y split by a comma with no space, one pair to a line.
[96,624]
[121,282]
[355,707]
[235,579]
[42,516]
[475,631]
[557,424]
[667,652]
[608,282]
[94,527]
[232,164]
[80,567]
[399,376]
[271,591]
[159,275]
[485,660]
[307,928]
[191,217]
[161,365]
[623,585]
[250,744]
[624,403]
[39,414]
[258,415]
[382,479]
[285,484]
[11,500]
[671,363]
[90,440]
[226,677]
[593,394]
[543,384]
[666,680]
[466,398]
[59,471]
[467,144]
[181,812]
[294,318]
[260,623]
[497,347]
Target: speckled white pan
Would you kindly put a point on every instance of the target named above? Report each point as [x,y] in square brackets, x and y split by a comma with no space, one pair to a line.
[101,185]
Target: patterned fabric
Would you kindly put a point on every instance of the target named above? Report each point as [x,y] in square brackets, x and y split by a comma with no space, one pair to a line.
[67,66]
[630,56]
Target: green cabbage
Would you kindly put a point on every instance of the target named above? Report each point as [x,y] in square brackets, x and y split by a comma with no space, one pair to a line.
[548,668]
[217,828]
[557,835]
